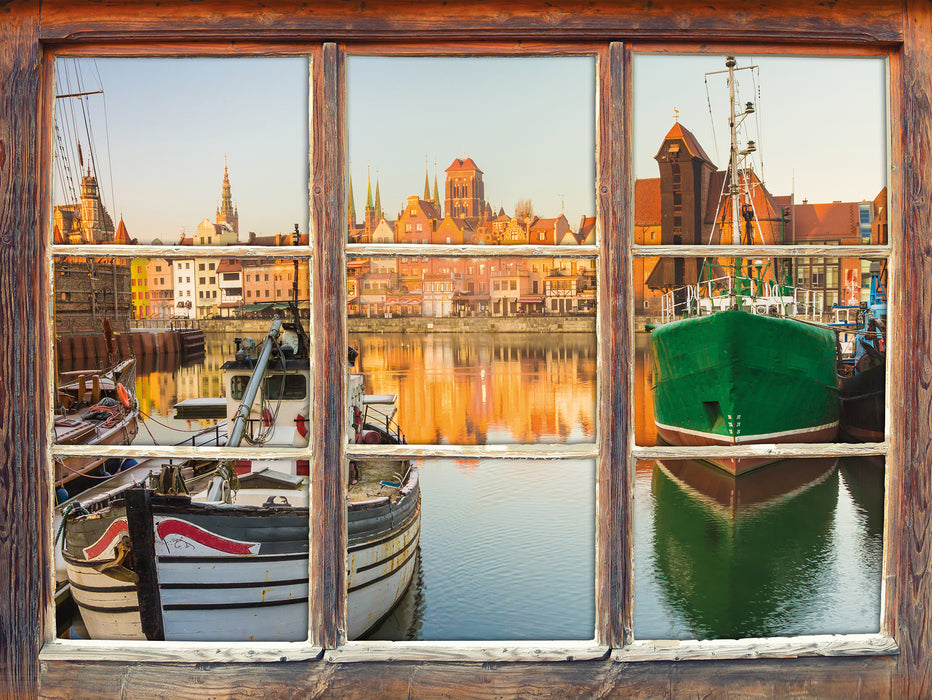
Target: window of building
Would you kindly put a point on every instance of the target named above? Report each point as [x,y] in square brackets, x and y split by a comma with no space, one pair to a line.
[614,617]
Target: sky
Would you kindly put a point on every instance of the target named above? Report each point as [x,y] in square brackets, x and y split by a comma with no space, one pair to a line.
[163,127]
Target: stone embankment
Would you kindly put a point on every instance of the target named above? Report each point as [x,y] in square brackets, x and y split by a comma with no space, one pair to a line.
[187,344]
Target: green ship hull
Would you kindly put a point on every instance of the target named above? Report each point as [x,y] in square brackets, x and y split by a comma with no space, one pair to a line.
[735,378]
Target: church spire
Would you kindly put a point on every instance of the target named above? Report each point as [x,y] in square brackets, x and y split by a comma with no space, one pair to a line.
[368,192]
[378,200]
[436,194]
[226,212]
[426,186]
[352,203]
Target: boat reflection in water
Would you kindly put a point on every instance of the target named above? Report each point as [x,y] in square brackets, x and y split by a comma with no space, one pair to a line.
[743,557]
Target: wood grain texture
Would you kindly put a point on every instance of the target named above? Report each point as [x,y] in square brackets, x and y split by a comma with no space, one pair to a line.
[240,26]
[467,652]
[769,648]
[908,612]
[178,652]
[242,252]
[794,678]
[328,334]
[867,252]
[571,451]
[840,22]
[360,250]
[614,560]
[24,486]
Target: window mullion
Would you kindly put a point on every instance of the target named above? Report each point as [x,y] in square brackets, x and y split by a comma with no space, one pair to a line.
[614,559]
[328,509]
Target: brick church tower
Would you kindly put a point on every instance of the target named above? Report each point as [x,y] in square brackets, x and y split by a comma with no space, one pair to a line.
[465,191]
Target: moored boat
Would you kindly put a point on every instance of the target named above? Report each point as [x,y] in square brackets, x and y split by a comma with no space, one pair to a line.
[736,360]
[862,378]
[94,408]
[218,551]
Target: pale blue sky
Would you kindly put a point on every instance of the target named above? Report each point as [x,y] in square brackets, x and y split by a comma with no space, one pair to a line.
[529,124]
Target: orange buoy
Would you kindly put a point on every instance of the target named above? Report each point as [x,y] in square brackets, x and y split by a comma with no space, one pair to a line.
[123,394]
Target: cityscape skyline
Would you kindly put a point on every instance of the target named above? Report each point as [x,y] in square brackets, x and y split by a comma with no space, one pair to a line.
[167,154]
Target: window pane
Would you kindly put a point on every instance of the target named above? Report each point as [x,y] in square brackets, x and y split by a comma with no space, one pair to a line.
[797,175]
[500,552]
[173,559]
[439,169]
[791,548]
[479,351]
[176,354]
[154,151]
[747,357]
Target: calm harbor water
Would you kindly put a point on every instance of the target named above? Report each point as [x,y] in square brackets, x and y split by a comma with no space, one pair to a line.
[507,548]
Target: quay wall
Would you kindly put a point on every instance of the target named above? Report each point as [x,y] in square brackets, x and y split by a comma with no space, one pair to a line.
[417,324]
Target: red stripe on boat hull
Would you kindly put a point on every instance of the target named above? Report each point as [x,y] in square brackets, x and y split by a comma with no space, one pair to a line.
[740,465]
[203,537]
[117,528]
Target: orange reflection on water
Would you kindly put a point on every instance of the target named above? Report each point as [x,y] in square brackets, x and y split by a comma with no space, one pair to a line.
[645,432]
[470,388]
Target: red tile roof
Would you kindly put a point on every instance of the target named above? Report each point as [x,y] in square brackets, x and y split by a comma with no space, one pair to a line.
[460,164]
[647,202]
[692,144]
[122,236]
[821,222]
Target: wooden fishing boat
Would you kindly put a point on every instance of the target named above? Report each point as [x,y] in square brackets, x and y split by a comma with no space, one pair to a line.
[94,408]
[220,553]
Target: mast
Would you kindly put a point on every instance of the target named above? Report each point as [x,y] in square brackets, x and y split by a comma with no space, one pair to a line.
[733,154]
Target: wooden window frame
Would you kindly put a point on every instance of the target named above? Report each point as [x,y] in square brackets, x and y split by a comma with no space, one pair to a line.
[29,664]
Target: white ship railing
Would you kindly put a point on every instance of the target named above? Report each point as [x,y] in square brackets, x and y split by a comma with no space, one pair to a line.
[709,296]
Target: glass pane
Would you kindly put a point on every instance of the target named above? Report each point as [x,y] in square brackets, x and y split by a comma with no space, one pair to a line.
[787,172]
[487,351]
[437,171]
[183,350]
[156,551]
[503,545]
[167,151]
[743,356]
[792,548]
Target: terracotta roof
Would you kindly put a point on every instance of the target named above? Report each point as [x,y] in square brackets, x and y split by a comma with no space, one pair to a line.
[647,202]
[121,237]
[430,211]
[586,231]
[460,164]
[819,222]
[229,266]
[57,235]
[545,224]
[692,144]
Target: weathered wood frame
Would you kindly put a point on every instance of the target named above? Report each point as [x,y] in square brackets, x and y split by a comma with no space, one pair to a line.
[29,32]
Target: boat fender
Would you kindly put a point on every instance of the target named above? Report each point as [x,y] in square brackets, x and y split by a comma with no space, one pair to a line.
[369,437]
[123,394]
[301,424]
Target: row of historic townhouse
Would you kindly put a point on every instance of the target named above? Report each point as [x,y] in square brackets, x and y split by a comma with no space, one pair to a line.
[421,223]
[467,287]
[210,287]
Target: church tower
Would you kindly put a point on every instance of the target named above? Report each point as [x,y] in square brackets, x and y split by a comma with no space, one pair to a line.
[465,192]
[226,212]
[96,224]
